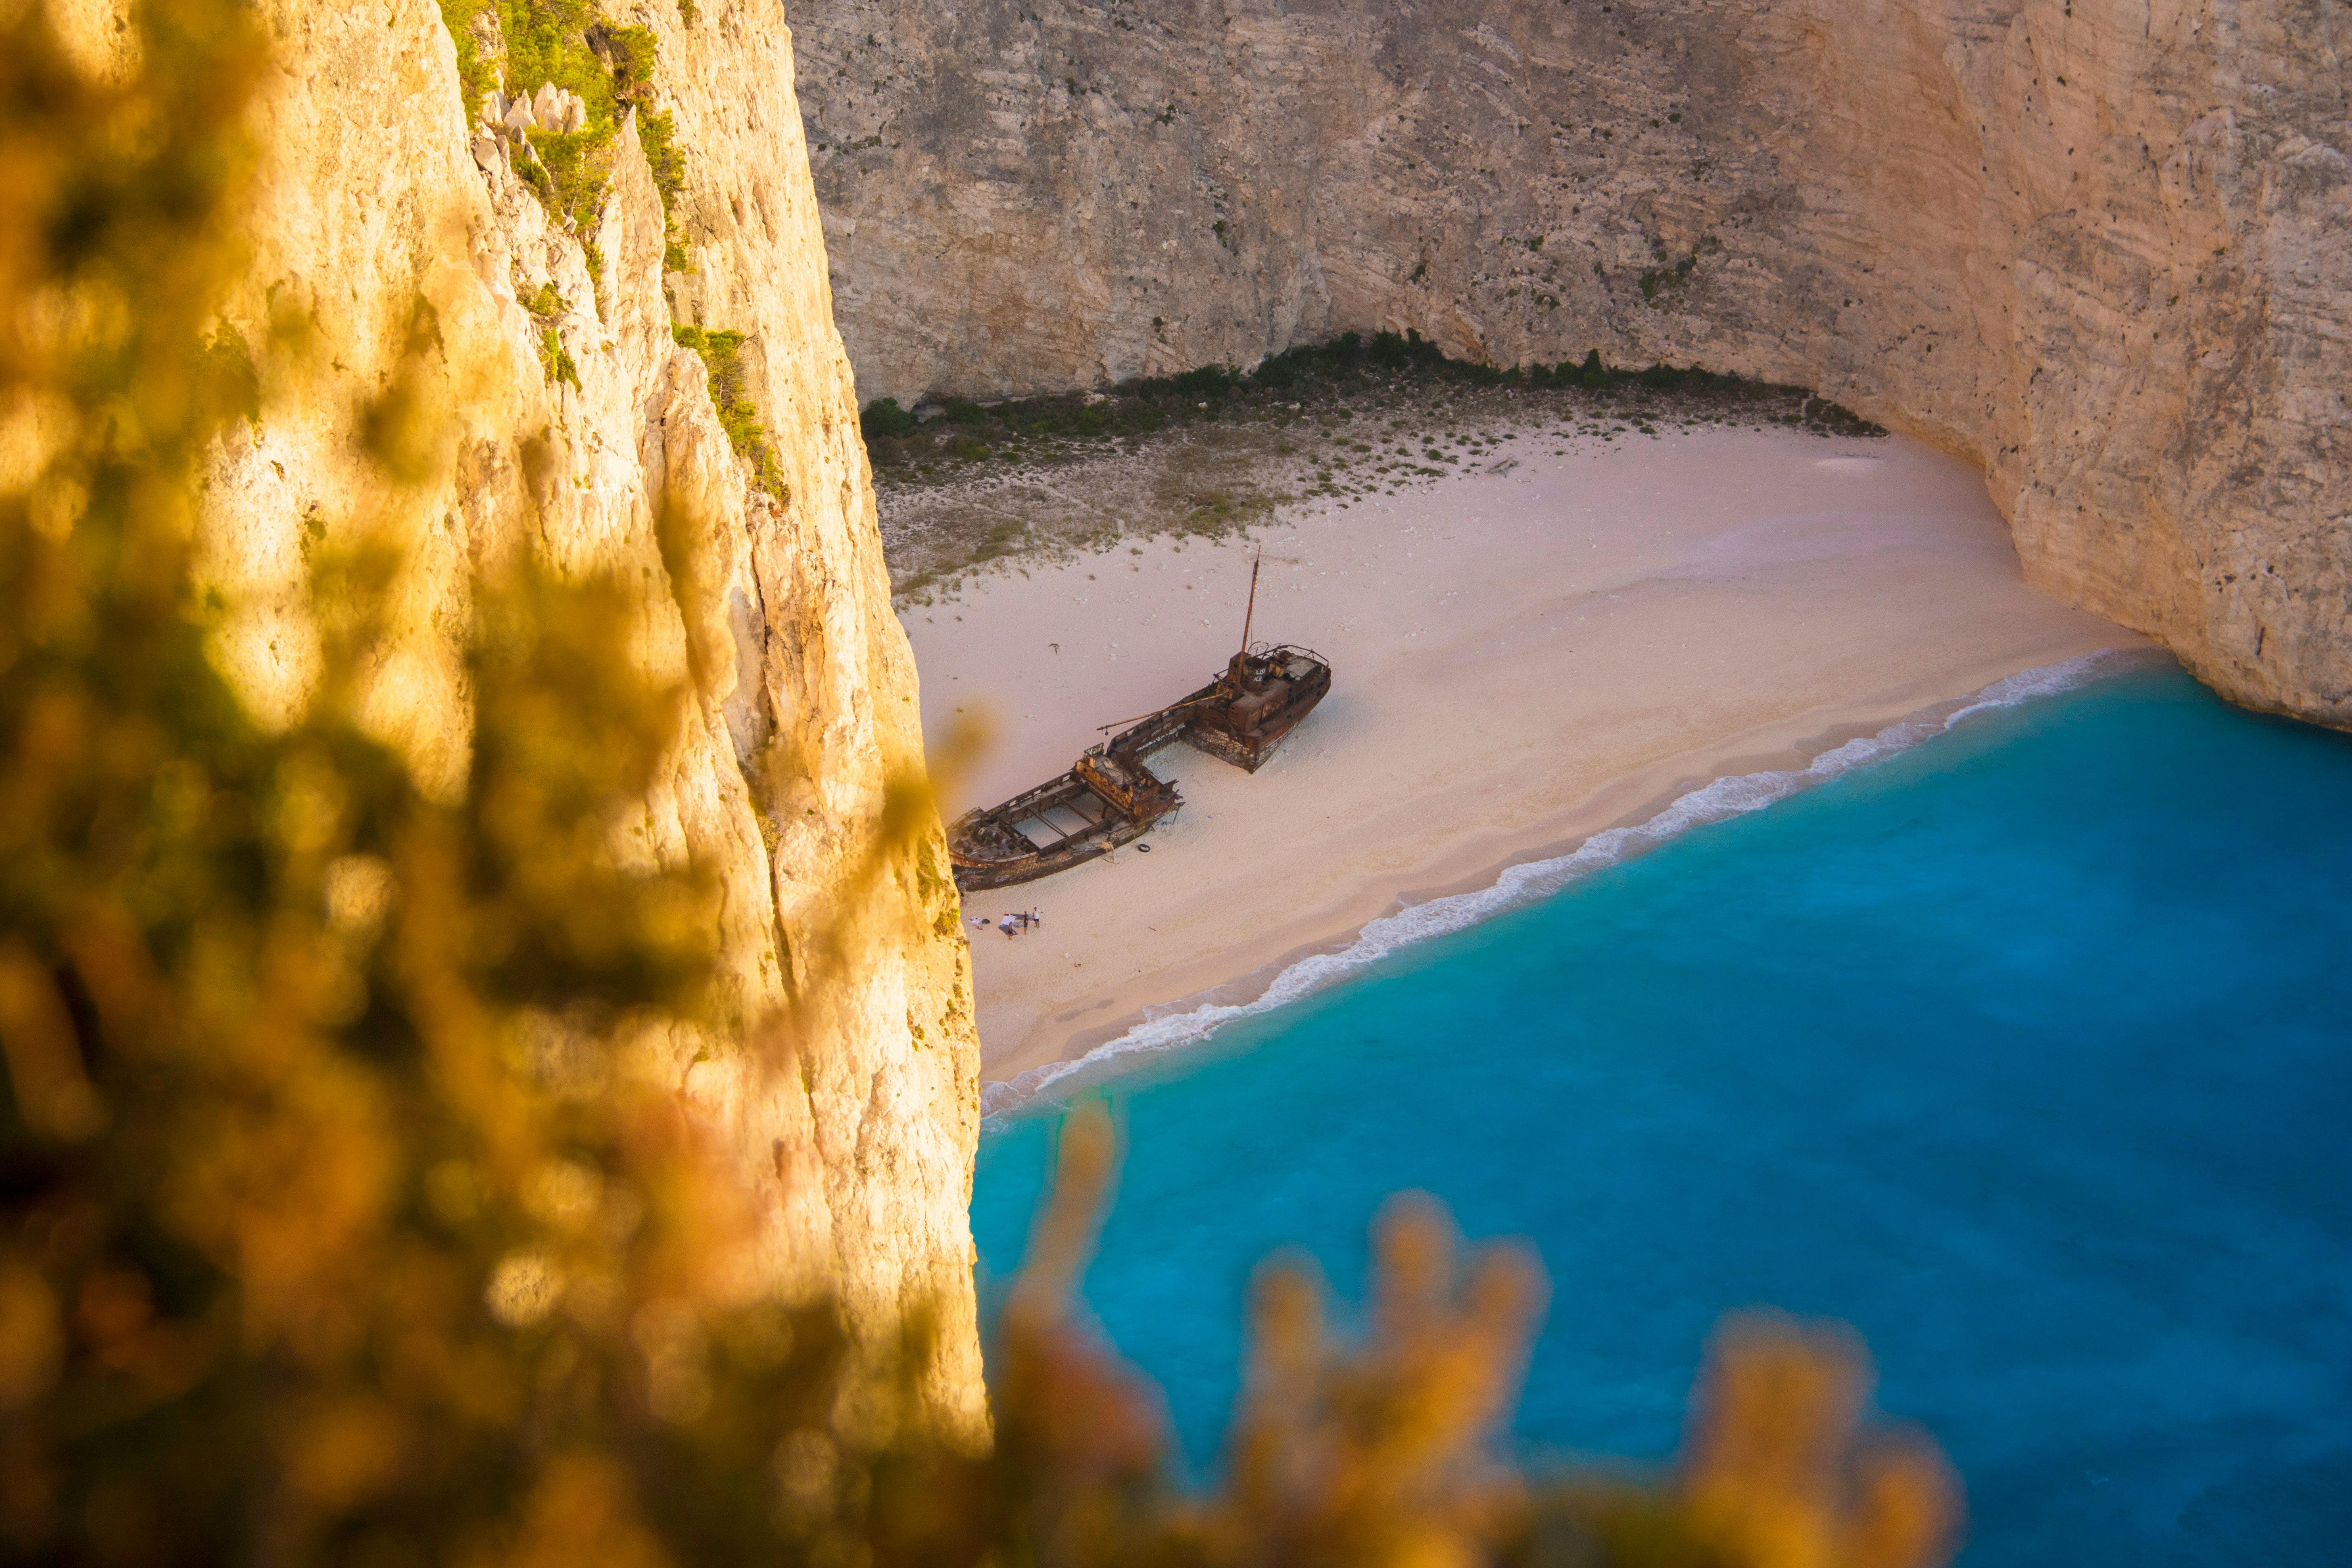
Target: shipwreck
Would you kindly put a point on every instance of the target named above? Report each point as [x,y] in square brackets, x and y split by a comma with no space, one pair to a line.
[1110,796]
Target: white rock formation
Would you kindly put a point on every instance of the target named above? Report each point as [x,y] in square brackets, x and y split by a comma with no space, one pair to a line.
[551,109]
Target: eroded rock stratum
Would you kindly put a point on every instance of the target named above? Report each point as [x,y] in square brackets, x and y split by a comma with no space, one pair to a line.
[544,405]
[2103,248]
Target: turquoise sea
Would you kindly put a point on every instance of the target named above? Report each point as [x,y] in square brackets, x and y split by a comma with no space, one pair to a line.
[2026,1049]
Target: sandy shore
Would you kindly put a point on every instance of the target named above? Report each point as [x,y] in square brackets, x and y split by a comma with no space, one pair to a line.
[1562,640]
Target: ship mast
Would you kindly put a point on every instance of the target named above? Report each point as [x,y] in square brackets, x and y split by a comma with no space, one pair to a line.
[1251,613]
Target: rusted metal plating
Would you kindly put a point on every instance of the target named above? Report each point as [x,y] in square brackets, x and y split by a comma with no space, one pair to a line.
[1110,797]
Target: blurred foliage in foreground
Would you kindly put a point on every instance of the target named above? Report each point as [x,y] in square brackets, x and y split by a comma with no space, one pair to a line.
[338,1222]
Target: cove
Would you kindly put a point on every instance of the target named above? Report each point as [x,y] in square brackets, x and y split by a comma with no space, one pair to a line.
[2024,1051]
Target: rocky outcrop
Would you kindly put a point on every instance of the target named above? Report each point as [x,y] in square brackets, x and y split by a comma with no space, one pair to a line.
[523,379]
[549,108]
[2103,250]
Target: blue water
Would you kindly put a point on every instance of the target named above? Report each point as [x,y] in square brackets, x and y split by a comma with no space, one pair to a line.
[2027,1052]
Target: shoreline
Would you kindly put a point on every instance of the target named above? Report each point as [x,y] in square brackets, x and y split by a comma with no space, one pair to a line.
[1555,645]
[1547,869]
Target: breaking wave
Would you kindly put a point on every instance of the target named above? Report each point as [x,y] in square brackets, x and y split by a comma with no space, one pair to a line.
[1184,1023]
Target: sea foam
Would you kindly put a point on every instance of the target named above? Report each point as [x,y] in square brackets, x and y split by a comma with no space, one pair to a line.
[1185,1023]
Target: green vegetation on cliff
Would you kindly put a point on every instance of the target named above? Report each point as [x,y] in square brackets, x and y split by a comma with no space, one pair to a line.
[722,355]
[611,69]
[549,41]
[517,46]
[478,71]
[631,55]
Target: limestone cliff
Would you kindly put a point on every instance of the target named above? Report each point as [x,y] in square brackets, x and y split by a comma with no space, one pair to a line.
[2101,249]
[395,242]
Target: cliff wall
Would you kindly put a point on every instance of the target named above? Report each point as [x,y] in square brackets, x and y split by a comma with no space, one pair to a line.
[399,295]
[2103,248]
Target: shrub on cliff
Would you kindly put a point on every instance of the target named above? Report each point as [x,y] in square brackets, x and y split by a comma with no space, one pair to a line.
[722,355]
[340,1219]
[518,45]
[1275,371]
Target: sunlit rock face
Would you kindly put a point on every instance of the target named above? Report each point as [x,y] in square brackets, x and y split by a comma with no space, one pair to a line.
[2101,249]
[393,221]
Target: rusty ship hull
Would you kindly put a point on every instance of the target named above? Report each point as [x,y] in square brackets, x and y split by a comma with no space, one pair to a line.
[1249,729]
[1111,797]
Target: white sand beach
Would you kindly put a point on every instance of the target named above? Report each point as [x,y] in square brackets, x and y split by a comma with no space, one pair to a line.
[1521,658]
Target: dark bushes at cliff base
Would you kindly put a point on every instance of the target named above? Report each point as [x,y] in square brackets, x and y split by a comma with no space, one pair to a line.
[1351,357]
[1350,365]
[884,420]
